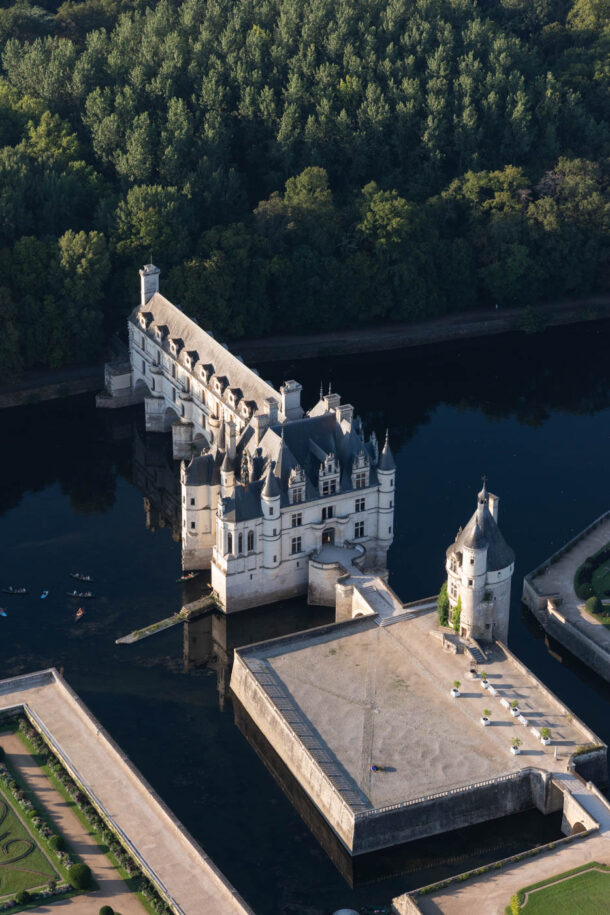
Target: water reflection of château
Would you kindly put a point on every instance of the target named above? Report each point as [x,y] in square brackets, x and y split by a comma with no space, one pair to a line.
[156,475]
[209,641]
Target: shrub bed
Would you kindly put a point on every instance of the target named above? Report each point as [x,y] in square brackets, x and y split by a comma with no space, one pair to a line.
[139,883]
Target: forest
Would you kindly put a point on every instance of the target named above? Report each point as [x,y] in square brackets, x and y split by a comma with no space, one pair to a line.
[296,165]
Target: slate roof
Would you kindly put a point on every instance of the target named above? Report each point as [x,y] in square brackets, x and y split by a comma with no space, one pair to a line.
[480,532]
[244,504]
[210,352]
[386,459]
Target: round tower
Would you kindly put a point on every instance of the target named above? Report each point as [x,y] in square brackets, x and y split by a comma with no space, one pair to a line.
[386,475]
[479,567]
[272,522]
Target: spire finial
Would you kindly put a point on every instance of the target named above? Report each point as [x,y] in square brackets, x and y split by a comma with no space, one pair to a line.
[321,390]
[330,387]
[387,437]
[483,494]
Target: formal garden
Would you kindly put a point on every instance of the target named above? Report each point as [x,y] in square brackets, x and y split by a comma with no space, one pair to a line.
[35,863]
[60,874]
[592,585]
[582,891]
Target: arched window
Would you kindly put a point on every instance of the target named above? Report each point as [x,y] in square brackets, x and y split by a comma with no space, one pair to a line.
[240,543]
[229,543]
[250,541]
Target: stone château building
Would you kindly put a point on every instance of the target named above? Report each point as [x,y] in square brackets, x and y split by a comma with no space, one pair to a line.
[480,566]
[265,487]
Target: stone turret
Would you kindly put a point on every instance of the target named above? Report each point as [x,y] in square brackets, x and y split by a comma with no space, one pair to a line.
[272,522]
[479,567]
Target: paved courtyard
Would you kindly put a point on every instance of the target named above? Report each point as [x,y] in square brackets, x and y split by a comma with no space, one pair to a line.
[380,695]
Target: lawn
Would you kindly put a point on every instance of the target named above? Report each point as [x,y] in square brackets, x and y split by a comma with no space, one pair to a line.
[22,863]
[601,581]
[585,893]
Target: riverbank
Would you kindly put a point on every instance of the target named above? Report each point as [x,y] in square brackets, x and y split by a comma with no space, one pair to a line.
[458,326]
[37,386]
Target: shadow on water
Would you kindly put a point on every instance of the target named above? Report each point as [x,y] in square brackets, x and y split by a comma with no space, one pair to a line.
[86,489]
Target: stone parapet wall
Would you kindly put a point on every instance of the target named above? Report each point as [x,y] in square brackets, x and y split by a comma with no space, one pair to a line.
[574,640]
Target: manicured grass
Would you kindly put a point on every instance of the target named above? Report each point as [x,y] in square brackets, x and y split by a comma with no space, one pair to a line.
[584,893]
[601,580]
[22,862]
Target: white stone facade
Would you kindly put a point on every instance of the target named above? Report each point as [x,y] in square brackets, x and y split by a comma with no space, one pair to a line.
[480,566]
[263,486]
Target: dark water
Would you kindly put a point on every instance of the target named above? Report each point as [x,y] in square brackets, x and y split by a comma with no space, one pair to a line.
[81,489]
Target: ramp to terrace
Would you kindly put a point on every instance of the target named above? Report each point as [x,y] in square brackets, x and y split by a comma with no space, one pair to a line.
[181,870]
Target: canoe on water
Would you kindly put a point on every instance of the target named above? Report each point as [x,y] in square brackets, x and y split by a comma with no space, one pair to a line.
[44,594]
[187,576]
[87,595]
[3,612]
[79,613]
[80,576]
[11,590]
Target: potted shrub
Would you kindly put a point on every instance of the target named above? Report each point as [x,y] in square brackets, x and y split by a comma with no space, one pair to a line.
[484,680]
[514,708]
[485,717]
[545,736]
[455,691]
[515,745]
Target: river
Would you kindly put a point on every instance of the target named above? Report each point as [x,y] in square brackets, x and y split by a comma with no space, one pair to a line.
[86,489]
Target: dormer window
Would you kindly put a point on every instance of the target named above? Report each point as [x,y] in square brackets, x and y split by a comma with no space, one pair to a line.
[328,480]
[360,471]
[296,485]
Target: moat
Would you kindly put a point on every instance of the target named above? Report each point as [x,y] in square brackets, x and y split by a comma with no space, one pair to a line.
[533,413]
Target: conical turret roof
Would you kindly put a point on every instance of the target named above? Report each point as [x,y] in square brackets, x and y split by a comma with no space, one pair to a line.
[386,460]
[271,489]
[482,531]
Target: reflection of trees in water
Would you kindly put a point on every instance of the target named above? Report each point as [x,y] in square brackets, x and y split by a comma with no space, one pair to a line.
[67,442]
[525,378]
[516,376]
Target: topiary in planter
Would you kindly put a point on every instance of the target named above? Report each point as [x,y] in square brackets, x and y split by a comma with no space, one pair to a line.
[594,605]
[57,843]
[106,910]
[79,876]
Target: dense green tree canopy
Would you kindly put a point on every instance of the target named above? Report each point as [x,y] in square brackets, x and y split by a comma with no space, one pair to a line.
[297,163]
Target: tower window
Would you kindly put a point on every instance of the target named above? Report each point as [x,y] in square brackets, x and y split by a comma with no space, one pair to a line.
[192,501]
[470,582]
[192,525]
[271,509]
[229,543]
[472,562]
[250,541]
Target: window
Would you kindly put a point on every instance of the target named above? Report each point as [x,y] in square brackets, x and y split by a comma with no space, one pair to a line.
[360,505]
[295,545]
[472,562]
[360,479]
[240,543]
[391,503]
[297,495]
[274,531]
[173,370]
[359,529]
[470,582]
[271,509]
[192,501]
[192,525]
[297,520]
[250,540]
[143,343]
[174,394]
[143,367]
[328,512]
[329,487]
[229,543]
[390,529]
[275,558]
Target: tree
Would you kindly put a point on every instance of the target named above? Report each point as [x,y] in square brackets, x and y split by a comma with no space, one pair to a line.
[443,605]
[79,876]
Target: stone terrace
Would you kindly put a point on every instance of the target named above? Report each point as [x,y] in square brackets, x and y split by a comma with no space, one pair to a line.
[190,878]
[558,581]
[362,693]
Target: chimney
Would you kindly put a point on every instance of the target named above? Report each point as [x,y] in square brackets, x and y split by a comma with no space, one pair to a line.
[271,405]
[291,399]
[492,502]
[149,283]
